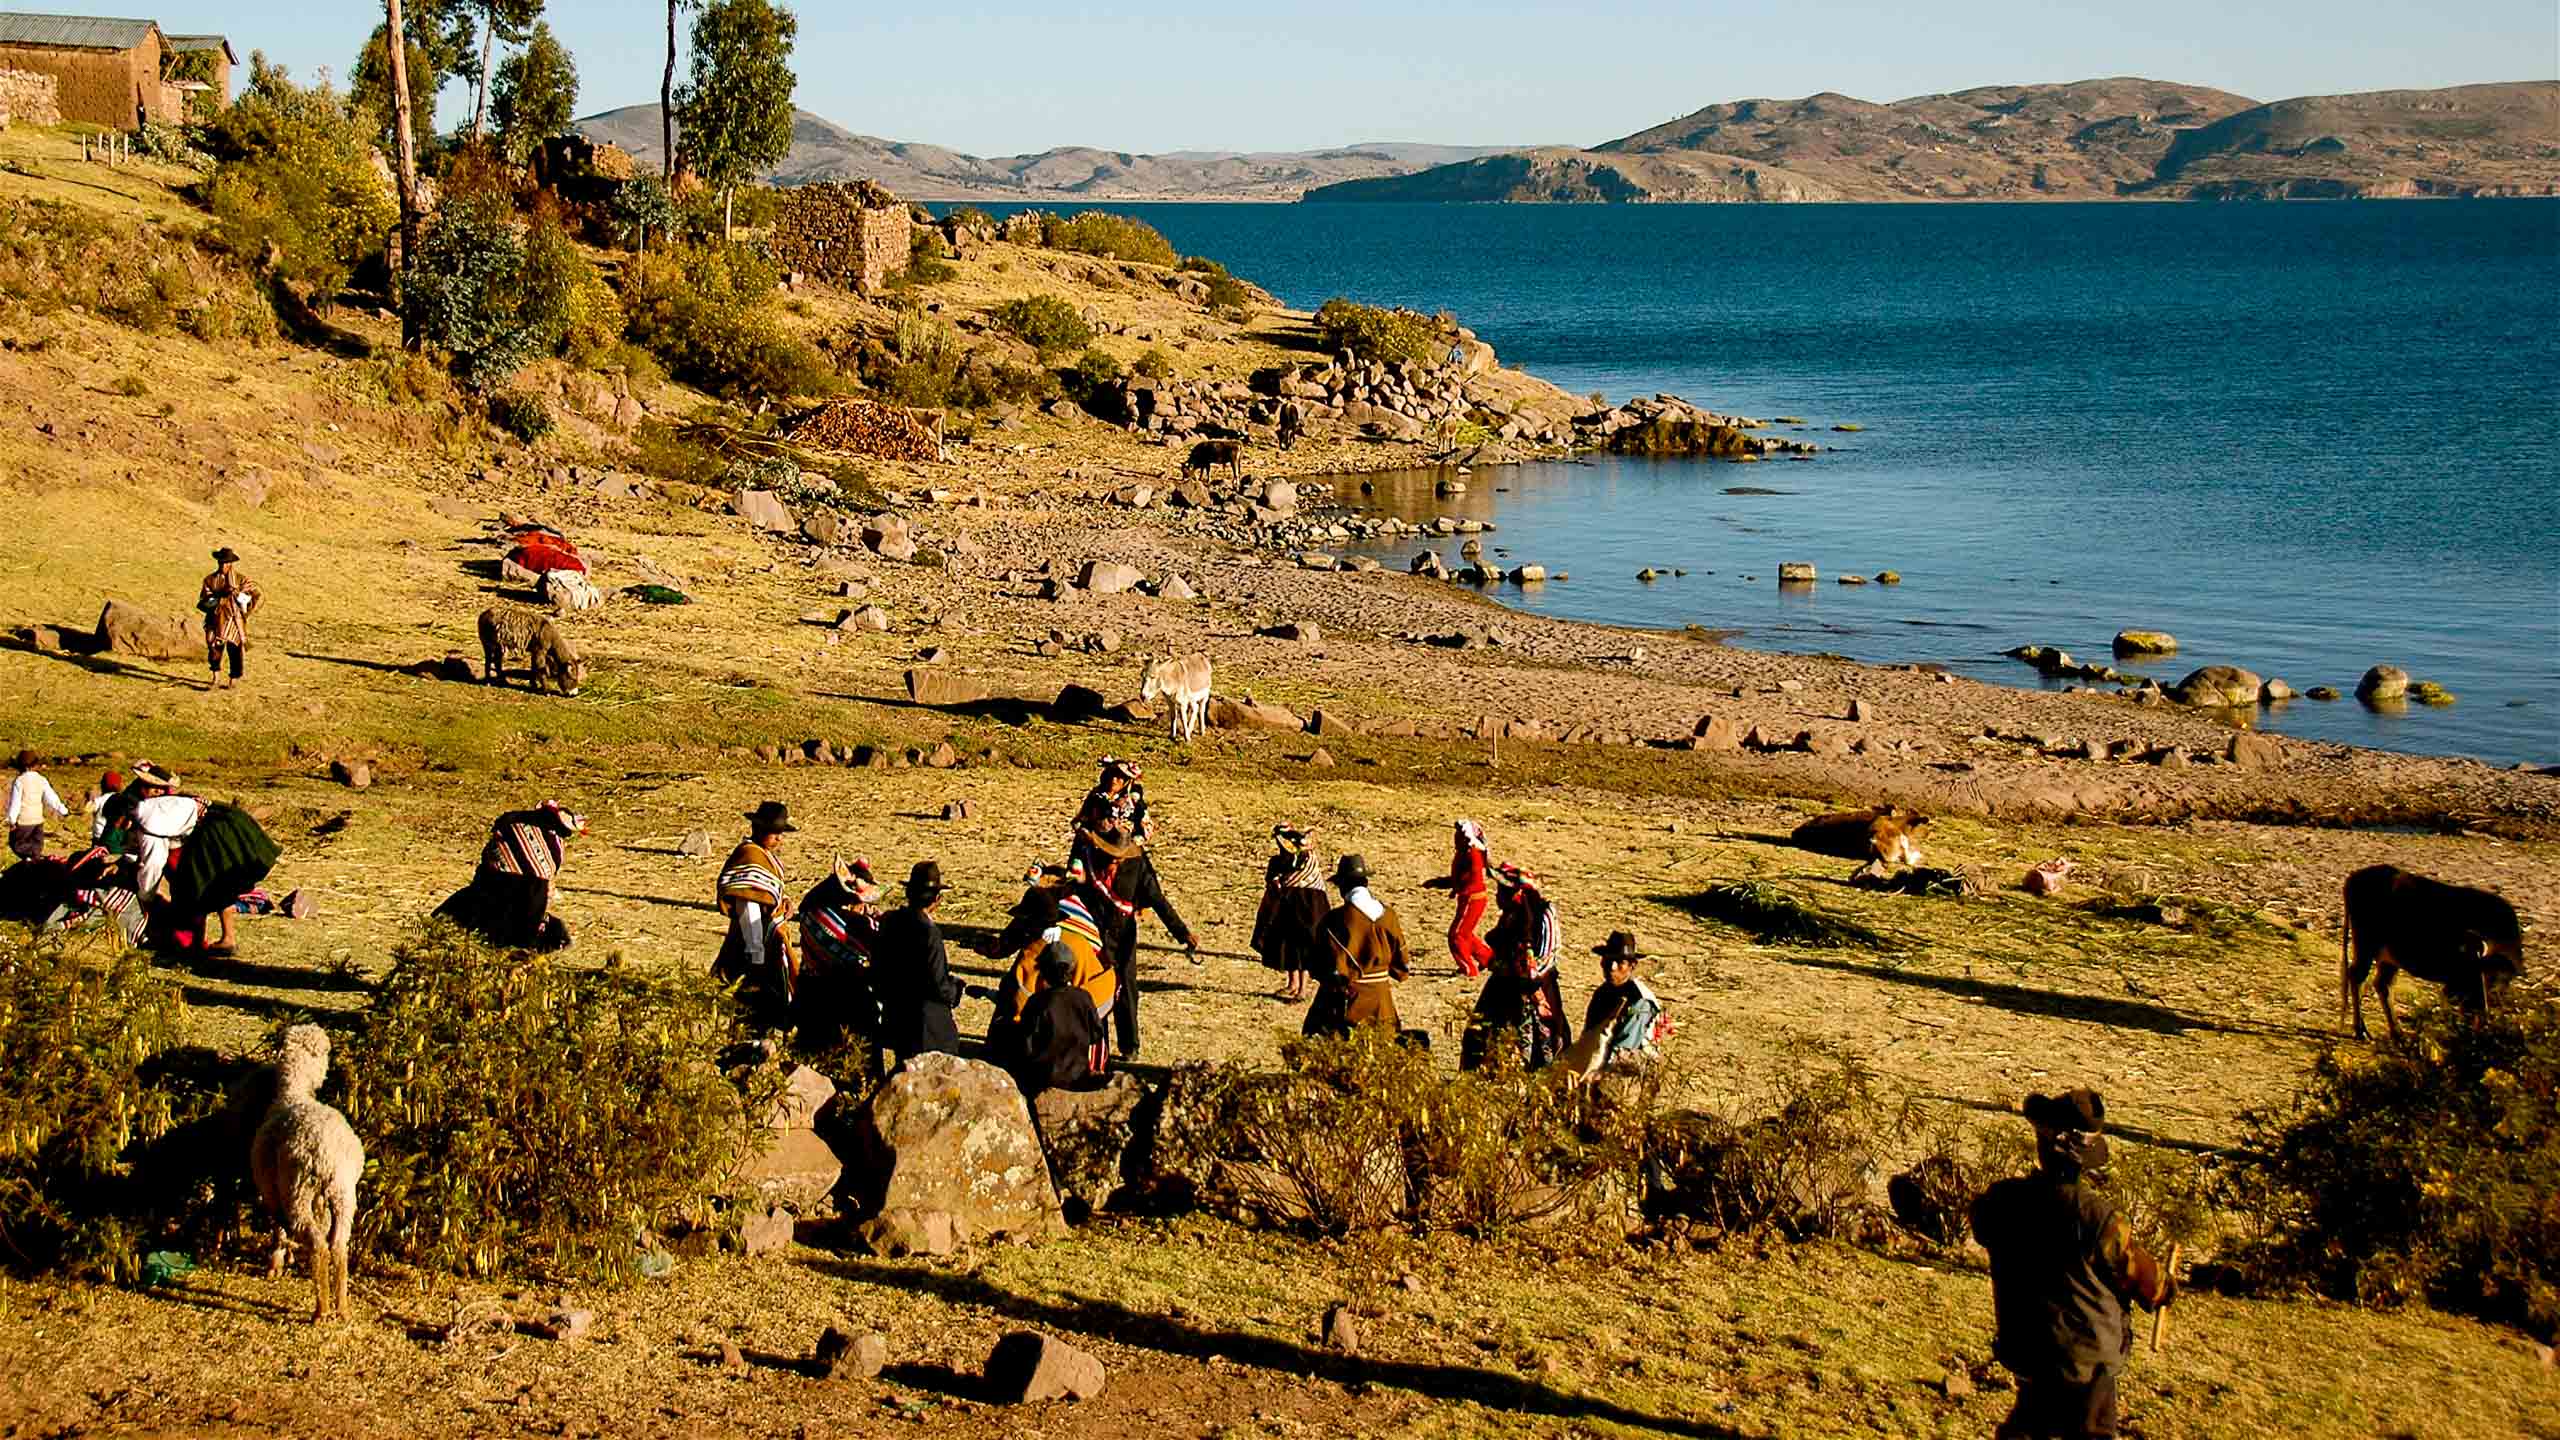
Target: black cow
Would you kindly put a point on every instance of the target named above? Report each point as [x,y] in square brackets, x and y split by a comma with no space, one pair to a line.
[2463,939]
[1208,455]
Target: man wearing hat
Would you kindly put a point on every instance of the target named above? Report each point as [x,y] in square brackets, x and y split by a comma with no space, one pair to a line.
[1626,1006]
[31,799]
[226,600]
[2063,1267]
[913,974]
[757,954]
[1366,943]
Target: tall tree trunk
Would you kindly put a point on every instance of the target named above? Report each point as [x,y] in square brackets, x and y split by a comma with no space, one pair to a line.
[488,60]
[728,212]
[396,41]
[667,97]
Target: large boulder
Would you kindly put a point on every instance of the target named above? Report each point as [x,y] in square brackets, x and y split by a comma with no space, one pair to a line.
[1027,1366]
[797,1170]
[764,510]
[2219,687]
[124,630]
[954,1135]
[884,533]
[1087,1135]
[1226,714]
[1279,495]
[2382,682]
[1108,577]
[2145,642]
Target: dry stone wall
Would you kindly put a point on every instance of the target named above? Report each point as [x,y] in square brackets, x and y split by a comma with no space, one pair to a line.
[853,234]
[27,98]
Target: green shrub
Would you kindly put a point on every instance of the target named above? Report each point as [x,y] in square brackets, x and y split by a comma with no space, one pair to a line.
[2423,1171]
[470,293]
[706,312]
[1229,299]
[1115,237]
[1800,1167]
[1775,917]
[574,312]
[168,144]
[970,217]
[1200,265]
[297,174]
[642,208]
[523,416]
[1047,323]
[78,1028]
[521,1113]
[1153,364]
[53,257]
[1372,332]
[1097,368]
[925,265]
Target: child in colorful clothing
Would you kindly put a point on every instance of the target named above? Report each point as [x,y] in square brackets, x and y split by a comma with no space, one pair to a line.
[1468,865]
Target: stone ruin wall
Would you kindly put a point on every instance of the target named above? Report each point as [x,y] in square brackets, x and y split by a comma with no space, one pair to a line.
[855,235]
[27,98]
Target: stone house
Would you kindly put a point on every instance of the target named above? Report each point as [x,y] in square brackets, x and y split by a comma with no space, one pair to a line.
[107,71]
[851,234]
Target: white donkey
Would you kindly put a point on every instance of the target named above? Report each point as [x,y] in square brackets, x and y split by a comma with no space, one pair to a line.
[1183,682]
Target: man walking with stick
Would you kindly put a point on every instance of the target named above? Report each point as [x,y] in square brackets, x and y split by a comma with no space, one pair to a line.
[2063,1268]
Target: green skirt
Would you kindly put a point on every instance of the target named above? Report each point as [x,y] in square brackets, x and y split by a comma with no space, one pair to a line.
[224,859]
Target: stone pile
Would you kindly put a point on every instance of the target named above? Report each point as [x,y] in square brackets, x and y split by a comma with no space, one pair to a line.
[869,428]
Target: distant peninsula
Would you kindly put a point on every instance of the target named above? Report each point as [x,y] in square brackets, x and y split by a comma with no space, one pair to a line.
[2088,140]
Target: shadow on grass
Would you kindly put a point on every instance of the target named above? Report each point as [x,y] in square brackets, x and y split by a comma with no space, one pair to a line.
[100,663]
[2052,1004]
[668,901]
[1120,1325]
[274,1007]
[2117,1128]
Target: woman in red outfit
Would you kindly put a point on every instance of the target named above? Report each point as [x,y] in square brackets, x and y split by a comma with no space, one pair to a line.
[1466,880]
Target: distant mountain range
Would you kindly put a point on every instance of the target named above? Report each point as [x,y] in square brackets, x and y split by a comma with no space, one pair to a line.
[824,150]
[2089,140]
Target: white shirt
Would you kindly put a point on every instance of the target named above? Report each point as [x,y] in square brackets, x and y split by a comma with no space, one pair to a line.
[31,796]
[159,823]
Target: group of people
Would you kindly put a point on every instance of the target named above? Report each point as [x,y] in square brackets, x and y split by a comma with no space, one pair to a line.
[1357,955]
[145,835]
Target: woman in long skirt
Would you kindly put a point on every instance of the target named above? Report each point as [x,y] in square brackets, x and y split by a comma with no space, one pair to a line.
[1293,910]
[221,853]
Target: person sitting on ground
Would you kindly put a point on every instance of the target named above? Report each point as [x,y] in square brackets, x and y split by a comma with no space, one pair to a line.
[1521,1009]
[2063,1268]
[1466,880]
[1061,1031]
[1625,1008]
[1365,942]
[756,955]
[210,853]
[1293,909]
[912,972]
[839,933]
[32,798]
[225,600]
[508,901]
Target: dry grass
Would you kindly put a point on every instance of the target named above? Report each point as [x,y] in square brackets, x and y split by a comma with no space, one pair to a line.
[1980,1001]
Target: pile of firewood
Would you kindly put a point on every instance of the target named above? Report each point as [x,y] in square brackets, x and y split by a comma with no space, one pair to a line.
[871,429]
[853,234]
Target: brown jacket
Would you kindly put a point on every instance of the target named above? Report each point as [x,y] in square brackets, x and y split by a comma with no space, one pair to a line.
[226,601]
[1370,956]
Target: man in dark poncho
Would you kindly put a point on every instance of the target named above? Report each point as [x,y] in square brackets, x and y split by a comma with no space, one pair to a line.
[2063,1268]
[912,974]
[508,901]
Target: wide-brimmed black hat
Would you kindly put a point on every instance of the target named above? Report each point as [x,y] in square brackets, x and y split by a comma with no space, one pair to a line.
[926,878]
[226,556]
[1350,871]
[1621,946]
[771,818]
[2081,1109]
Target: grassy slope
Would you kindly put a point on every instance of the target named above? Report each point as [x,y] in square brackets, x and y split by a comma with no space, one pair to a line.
[1988,997]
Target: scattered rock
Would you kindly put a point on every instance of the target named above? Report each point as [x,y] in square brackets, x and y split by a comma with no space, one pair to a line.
[2322,692]
[957,810]
[1318,560]
[567,1324]
[897,1234]
[2428,692]
[1086,1134]
[1108,577]
[941,687]
[2218,687]
[1528,575]
[841,1355]
[1341,1330]
[1176,588]
[2383,682]
[695,845]
[1715,732]
[2254,752]
[1861,713]
[354,774]
[1226,714]
[1888,577]
[767,1233]
[1322,759]
[871,618]
[1304,632]
[942,756]
[796,1169]
[1028,1366]
[1956,1384]
[1797,572]
[2145,642]
[125,630]
[732,1359]
[2274,692]
[765,511]
[822,527]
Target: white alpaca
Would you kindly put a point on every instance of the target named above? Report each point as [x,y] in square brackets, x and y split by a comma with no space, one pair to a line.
[306,1159]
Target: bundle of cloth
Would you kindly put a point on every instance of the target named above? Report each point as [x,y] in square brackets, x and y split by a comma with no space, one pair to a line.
[537,550]
[85,891]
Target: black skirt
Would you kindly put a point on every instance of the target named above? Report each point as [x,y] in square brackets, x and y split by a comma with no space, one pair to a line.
[226,858]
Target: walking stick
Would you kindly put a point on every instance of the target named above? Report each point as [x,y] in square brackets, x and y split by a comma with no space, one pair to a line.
[2160,1317]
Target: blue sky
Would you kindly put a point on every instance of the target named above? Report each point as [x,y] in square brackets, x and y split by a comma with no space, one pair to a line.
[1007,77]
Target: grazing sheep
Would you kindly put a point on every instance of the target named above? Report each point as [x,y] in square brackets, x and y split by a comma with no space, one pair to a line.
[306,1159]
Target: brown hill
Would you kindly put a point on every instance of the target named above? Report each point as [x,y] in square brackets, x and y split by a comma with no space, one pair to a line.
[824,150]
[2088,140]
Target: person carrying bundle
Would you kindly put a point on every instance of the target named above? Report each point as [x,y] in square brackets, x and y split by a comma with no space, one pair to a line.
[210,853]
[508,901]
[839,932]
[756,954]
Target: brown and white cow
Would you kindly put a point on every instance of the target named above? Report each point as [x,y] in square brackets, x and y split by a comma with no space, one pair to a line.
[1183,683]
[1888,833]
[2463,939]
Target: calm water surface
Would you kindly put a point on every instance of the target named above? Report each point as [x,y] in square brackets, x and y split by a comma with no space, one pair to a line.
[2304,438]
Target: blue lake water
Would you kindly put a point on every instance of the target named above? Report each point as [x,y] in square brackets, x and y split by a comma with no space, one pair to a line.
[2304,438]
